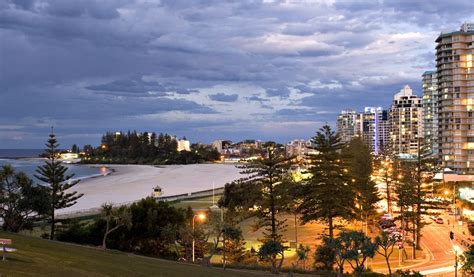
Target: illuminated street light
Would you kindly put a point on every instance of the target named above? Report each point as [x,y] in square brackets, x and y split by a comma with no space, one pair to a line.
[201,217]
[457,250]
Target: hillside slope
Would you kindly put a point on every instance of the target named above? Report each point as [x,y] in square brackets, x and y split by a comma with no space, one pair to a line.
[42,257]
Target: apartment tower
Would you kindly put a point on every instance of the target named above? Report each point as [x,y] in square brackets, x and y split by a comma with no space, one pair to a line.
[454,64]
[406,123]
[371,125]
[430,112]
[346,125]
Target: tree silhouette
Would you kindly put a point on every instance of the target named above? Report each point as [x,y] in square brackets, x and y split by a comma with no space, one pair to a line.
[53,174]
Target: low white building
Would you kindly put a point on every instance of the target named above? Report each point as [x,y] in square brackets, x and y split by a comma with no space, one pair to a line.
[184,145]
[69,156]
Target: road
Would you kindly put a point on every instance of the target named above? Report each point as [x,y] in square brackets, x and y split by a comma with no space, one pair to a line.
[439,247]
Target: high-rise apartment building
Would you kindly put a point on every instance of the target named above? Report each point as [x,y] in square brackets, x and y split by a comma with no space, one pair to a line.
[454,64]
[374,128]
[298,148]
[346,125]
[430,112]
[371,125]
[406,123]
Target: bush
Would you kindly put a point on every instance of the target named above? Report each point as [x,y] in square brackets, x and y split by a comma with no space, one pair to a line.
[324,257]
[146,235]
[470,227]
[407,273]
[79,232]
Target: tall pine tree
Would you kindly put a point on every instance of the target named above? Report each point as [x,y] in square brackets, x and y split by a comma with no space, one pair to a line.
[53,174]
[328,194]
[259,190]
[360,170]
[415,193]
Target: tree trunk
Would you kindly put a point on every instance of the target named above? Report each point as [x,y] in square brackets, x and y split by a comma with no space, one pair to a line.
[274,267]
[388,265]
[223,251]
[214,249]
[281,261]
[107,232]
[414,238]
[340,273]
[51,236]
[296,229]
[389,200]
[272,210]
[104,244]
[107,227]
[331,227]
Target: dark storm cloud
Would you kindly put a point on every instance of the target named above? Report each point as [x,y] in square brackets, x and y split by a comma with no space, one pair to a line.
[280,92]
[133,86]
[88,66]
[257,99]
[139,88]
[222,97]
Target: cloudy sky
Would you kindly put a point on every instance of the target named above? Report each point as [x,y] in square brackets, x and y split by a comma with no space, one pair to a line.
[207,69]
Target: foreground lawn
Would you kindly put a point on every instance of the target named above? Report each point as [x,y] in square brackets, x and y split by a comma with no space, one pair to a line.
[42,257]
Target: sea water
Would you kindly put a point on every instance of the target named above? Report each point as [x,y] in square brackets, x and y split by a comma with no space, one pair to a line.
[29,166]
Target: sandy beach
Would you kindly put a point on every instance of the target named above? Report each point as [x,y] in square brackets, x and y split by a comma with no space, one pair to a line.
[132,182]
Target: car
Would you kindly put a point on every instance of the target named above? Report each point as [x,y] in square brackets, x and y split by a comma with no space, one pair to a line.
[439,220]
[385,224]
[387,217]
[393,229]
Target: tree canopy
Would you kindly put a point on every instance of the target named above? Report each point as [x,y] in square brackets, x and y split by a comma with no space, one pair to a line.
[21,202]
[328,194]
[54,175]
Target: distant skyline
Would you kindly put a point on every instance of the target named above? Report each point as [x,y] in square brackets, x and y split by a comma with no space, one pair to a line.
[207,70]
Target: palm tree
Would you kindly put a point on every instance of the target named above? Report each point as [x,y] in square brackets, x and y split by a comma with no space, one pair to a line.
[116,217]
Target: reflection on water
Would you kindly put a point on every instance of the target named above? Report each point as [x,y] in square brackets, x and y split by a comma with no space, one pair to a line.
[104,171]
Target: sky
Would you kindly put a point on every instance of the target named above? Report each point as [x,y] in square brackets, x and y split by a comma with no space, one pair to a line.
[269,70]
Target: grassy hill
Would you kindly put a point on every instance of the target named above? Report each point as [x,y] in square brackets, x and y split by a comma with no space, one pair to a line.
[42,257]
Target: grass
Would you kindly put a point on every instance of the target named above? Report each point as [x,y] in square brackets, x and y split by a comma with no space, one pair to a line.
[39,257]
[308,234]
[199,203]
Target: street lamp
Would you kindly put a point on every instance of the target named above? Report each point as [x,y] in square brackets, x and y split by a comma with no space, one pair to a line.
[457,250]
[386,169]
[215,207]
[201,217]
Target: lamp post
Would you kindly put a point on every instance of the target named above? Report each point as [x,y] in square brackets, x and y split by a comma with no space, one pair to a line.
[215,207]
[456,249]
[454,204]
[387,168]
[399,254]
[201,217]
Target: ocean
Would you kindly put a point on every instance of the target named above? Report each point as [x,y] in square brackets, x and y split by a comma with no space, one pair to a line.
[29,165]
[20,153]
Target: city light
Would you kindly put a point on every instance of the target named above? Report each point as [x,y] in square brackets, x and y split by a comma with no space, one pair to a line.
[273,137]
[201,216]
